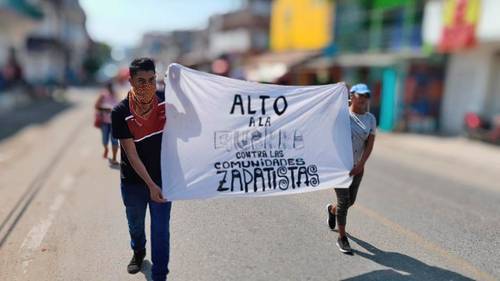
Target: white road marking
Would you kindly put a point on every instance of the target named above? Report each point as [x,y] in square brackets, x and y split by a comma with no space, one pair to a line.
[85,151]
[37,233]
[4,157]
[67,182]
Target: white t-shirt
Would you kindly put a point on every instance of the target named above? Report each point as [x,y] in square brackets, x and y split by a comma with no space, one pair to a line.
[362,125]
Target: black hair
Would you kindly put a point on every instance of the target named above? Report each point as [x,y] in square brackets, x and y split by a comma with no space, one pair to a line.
[141,64]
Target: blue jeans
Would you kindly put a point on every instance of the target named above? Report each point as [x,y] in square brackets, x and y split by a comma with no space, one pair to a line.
[106,134]
[136,198]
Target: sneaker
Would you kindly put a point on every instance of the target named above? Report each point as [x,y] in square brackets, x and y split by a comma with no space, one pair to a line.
[343,244]
[331,217]
[135,263]
[113,163]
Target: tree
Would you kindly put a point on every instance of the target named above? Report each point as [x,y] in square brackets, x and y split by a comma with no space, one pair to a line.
[98,55]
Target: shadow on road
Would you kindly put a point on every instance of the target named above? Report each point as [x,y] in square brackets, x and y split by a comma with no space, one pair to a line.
[38,113]
[414,269]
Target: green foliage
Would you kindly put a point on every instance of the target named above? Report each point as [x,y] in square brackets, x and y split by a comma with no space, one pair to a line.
[99,54]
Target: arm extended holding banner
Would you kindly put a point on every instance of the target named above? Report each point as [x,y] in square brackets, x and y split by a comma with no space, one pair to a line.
[359,167]
[154,190]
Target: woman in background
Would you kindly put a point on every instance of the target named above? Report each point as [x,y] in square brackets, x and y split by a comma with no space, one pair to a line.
[105,102]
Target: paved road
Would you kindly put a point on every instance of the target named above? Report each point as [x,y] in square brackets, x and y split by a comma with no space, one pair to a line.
[420,216]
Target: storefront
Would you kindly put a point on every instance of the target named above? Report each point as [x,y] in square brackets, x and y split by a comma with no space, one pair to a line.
[473,67]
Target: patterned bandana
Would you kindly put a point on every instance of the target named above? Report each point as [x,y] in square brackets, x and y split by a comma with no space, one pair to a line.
[143,100]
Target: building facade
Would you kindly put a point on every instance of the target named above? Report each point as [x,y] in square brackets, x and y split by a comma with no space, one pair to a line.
[380,43]
[55,50]
[473,69]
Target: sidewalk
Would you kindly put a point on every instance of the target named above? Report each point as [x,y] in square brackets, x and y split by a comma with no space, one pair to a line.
[469,161]
[24,96]
[13,99]
[19,109]
[34,113]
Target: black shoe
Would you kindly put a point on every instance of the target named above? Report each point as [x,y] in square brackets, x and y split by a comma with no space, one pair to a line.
[331,217]
[135,263]
[343,244]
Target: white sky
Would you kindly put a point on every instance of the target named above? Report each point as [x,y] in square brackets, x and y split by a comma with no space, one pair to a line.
[121,23]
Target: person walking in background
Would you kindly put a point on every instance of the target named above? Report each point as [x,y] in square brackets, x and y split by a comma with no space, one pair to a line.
[105,102]
[138,122]
[363,128]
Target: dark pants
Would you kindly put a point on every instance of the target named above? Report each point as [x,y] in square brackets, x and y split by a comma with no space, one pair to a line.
[346,198]
[136,199]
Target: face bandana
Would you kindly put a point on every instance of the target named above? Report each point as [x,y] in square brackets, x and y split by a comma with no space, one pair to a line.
[144,94]
[142,99]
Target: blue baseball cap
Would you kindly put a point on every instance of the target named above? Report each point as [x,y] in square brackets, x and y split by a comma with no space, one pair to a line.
[360,89]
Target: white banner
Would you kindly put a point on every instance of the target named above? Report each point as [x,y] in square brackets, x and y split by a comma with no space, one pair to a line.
[227,138]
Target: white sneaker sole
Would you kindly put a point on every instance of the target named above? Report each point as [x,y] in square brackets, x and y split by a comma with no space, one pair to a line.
[342,250]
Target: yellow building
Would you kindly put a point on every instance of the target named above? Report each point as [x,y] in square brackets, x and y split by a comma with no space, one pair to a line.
[301,24]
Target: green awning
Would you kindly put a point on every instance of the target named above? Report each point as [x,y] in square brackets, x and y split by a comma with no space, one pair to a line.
[388,4]
[23,7]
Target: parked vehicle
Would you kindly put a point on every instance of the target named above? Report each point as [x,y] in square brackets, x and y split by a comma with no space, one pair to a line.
[482,128]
